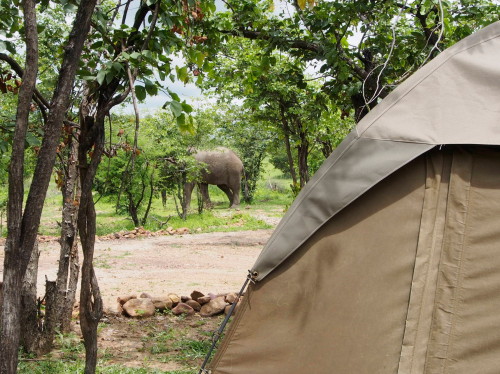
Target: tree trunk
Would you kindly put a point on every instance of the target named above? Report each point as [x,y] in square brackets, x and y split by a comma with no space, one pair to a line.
[303,153]
[16,256]
[286,134]
[37,330]
[150,200]
[92,135]
[23,228]
[68,271]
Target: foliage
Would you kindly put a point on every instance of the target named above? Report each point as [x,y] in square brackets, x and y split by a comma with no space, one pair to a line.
[248,135]
[362,48]
[284,106]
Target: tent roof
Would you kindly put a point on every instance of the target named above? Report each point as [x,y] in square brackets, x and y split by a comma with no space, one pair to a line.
[454,99]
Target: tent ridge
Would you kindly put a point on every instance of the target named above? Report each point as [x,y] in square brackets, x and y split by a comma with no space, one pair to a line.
[445,59]
[294,207]
[396,167]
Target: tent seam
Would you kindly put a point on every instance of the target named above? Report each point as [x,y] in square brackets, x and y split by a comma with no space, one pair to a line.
[459,276]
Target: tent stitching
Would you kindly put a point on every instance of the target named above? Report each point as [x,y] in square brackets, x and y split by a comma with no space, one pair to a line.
[455,305]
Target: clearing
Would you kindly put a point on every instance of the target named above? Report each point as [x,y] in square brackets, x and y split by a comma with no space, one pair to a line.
[215,262]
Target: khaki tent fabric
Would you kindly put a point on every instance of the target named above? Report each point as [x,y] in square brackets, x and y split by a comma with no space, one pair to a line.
[454,99]
[404,280]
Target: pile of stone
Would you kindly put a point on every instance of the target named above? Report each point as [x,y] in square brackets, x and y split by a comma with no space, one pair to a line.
[205,305]
[140,232]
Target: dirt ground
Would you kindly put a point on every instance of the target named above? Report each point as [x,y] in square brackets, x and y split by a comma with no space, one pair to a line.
[209,262]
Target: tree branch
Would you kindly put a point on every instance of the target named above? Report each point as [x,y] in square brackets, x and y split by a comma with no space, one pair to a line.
[38,97]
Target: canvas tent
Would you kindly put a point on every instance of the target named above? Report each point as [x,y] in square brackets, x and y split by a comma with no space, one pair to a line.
[389,259]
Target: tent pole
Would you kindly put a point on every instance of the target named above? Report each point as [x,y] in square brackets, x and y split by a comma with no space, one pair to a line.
[219,332]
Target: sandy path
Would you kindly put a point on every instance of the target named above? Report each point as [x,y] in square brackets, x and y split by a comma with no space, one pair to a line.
[210,262]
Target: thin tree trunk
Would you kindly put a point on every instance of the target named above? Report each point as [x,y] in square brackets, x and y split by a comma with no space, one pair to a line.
[150,200]
[16,256]
[303,153]
[37,330]
[68,271]
[286,134]
[92,134]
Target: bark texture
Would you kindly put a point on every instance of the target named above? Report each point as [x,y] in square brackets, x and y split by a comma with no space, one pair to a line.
[23,228]
[68,271]
[37,330]
[16,254]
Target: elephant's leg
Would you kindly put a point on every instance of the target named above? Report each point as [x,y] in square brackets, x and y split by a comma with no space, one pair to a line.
[236,188]
[228,192]
[164,198]
[204,194]
[188,191]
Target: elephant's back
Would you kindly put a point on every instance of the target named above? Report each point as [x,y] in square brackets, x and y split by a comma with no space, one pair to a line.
[220,161]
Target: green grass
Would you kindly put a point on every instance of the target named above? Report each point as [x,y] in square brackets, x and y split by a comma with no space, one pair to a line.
[272,197]
[77,367]
[190,349]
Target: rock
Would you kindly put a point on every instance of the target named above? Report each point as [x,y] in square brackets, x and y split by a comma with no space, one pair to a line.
[182,308]
[236,308]
[204,299]
[213,307]
[123,299]
[145,295]
[231,297]
[175,298]
[182,231]
[162,303]
[196,294]
[185,298]
[194,304]
[117,310]
[139,308]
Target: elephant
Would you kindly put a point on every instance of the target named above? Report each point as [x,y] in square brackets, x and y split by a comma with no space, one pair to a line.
[224,169]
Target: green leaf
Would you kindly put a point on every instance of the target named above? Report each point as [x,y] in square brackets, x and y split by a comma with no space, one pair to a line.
[96,45]
[117,66]
[135,55]
[186,107]
[70,8]
[150,87]
[182,73]
[3,46]
[100,76]
[176,108]
[32,140]
[181,121]
[174,96]
[140,92]
[109,76]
